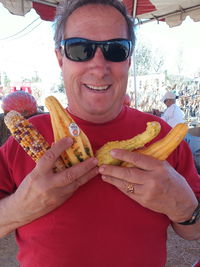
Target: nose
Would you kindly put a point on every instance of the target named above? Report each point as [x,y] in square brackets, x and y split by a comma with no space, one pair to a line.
[98,64]
[99,53]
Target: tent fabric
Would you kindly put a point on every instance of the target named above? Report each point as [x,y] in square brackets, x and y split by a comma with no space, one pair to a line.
[142,6]
[46,12]
[17,7]
[172,11]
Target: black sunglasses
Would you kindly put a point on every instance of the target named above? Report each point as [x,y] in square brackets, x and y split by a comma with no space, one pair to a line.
[80,49]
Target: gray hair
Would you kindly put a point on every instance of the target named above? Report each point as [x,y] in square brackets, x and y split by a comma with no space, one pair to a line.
[67,7]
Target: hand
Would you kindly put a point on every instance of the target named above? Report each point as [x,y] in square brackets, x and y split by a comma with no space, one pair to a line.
[43,190]
[157,186]
[156,112]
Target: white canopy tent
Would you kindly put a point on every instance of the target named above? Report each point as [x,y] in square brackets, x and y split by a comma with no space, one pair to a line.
[173,12]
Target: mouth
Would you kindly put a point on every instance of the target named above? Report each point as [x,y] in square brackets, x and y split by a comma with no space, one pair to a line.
[97,88]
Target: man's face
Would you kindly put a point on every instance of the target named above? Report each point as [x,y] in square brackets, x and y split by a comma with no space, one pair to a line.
[95,88]
[169,102]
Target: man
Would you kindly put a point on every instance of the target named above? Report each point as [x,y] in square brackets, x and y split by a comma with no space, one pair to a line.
[173,114]
[85,215]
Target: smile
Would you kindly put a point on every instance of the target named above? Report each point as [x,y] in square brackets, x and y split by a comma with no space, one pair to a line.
[97,88]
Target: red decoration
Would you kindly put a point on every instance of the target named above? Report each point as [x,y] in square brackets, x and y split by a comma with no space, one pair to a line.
[20,101]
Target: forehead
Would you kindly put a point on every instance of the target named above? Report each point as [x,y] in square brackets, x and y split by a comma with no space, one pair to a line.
[97,22]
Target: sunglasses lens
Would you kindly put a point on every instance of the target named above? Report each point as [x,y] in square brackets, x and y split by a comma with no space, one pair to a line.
[117,51]
[78,50]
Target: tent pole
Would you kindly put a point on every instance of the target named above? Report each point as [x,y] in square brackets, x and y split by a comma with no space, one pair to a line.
[134,78]
[168,15]
[133,56]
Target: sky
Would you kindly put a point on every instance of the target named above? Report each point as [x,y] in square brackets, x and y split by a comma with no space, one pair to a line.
[170,41]
[31,50]
[21,55]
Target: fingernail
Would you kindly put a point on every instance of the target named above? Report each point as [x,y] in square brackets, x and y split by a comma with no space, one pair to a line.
[101,169]
[103,177]
[95,161]
[113,152]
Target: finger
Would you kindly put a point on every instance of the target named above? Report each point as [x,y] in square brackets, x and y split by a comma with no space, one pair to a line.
[83,179]
[137,159]
[67,190]
[76,172]
[47,161]
[124,186]
[130,175]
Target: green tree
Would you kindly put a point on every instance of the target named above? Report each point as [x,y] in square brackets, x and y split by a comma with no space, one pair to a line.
[36,78]
[6,80]
[157,60]
[143,58]
[147,59]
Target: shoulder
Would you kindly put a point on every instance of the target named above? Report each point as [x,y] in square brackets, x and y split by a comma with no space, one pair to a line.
[178,108]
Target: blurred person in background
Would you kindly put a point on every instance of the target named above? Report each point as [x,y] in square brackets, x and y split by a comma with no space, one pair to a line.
[173,114]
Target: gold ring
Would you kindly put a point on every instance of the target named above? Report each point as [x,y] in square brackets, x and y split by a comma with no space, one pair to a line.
[130,189]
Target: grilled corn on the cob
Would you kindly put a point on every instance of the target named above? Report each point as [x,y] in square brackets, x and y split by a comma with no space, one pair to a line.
[165,146]
[103,154]
[29,137]
[63,125]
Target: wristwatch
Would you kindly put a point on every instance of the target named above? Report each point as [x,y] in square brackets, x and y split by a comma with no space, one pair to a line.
[195,216]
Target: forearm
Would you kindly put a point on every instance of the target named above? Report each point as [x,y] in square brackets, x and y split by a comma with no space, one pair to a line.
[11,217]
[189,232]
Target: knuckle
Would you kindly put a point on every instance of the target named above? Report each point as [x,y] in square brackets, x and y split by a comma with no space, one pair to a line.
[78,184]
[136,158]
[128,172]
[49,155]
[69,177]
[164,164]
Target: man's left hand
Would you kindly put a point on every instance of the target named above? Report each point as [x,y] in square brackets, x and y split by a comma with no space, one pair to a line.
[152,183]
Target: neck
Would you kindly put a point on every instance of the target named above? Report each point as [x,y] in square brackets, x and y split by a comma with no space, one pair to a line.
[95,118]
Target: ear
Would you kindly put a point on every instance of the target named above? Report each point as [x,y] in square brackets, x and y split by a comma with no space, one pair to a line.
[129,63]
[59,57]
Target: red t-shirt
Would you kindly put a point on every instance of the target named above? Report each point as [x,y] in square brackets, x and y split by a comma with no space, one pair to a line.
[98,226]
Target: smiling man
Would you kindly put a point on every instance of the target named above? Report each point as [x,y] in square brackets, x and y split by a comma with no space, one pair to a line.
[85,215]
[95,85]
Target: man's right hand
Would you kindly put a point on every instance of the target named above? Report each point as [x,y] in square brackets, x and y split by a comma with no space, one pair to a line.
[42,190]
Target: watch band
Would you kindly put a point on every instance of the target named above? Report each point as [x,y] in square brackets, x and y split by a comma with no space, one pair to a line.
[195,216]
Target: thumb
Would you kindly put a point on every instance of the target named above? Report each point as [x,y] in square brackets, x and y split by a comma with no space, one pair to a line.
[47,161]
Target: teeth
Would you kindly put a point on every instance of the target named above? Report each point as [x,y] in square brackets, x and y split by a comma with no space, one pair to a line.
[98,87]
